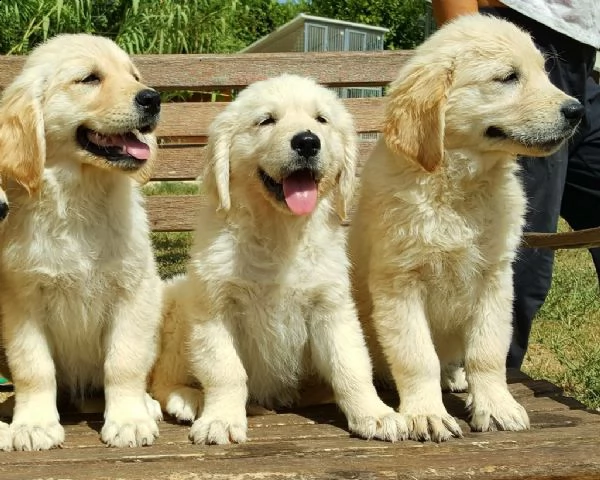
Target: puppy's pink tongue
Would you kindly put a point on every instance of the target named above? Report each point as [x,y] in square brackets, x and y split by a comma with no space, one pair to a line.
[300,191]
[128,143]
[136,149]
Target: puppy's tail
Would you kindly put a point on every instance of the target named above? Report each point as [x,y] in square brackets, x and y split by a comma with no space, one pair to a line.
[172,291]
[170,367]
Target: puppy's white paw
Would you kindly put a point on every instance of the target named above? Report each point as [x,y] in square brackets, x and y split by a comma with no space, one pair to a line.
[30,436]
[496,411]
[437,427]
[5,437]
[255,410]
[220,429]
[386,425]
[133,431]
[185,404]
[454,378]
[153,407]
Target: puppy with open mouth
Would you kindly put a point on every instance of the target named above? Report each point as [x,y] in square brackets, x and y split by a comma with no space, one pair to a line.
[266,304]
[80,297]
[298,187]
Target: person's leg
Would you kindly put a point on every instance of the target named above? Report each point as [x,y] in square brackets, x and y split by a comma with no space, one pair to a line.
[543,179]
[581,198]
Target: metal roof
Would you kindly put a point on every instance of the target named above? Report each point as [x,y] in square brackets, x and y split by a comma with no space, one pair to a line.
[298,21]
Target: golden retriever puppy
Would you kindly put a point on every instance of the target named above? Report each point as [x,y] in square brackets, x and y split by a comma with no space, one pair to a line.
[80,295]
[267,300]
[440,216]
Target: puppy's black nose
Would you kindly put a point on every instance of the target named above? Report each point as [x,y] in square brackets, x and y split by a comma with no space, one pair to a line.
[307,144]
[3,210]
[573,111]
[148,100]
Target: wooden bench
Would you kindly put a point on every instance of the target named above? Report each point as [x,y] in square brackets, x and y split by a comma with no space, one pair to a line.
[309,442]
[313,443]
[184,125]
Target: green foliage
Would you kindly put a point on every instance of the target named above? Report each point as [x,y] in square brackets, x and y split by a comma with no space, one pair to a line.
[256,18]
[28,22]
[173,26]
[157,26]
[193,26]
[405,18]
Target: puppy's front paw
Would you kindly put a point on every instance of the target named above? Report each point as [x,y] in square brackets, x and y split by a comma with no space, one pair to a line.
[185,404]
[386,425]
[454,379]
[5,437]
[220,429]
[438,427]
[496,411]
[36,436]
[153,407]
[135,431]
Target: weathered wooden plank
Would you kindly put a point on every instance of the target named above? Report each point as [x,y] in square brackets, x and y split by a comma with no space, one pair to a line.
[177,213]
[565,453]
[179,162]
[185,162]
[210,72]
[79,447]
[336,69]
[588,238]
[313,442]
[173,213]
[85,434]
[194,118]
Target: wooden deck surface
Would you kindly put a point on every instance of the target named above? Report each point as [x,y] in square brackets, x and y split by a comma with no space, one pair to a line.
[311,443]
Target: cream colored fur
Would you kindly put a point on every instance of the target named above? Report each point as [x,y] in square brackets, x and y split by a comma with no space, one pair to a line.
[267,302]
[80,295]
[440,217]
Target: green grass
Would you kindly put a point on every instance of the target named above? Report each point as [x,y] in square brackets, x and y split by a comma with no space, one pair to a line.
[171,188]
[565,339]
[171,249]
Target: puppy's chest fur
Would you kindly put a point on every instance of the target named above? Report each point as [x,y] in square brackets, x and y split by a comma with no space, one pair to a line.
[66,257]
[272,332]
[462,236]
[270,301]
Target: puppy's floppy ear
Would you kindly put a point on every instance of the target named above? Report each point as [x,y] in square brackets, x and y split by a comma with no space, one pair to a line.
[415,110]
[22,134]
[216,172]
[347,177]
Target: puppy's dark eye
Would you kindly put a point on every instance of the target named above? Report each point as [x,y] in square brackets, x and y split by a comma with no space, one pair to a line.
[136,77]
[512,77]
[266,121]
[321,119]
[92,79]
